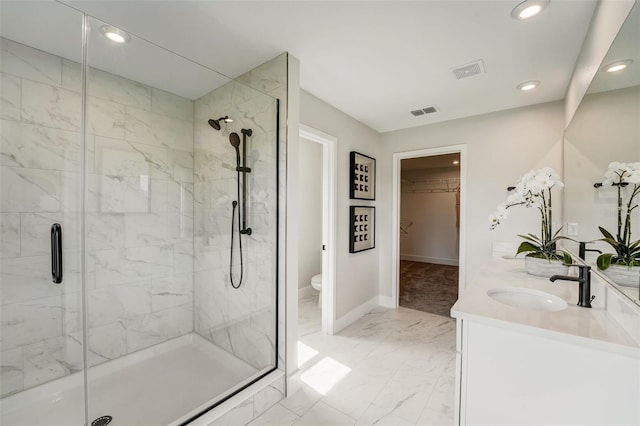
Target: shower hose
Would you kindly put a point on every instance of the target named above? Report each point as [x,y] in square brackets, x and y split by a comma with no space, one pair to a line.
[234,205]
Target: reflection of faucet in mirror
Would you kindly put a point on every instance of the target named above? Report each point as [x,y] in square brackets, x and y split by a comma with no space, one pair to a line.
[583,249]
[584,284]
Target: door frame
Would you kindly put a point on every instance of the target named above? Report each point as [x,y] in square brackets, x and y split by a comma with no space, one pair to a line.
[329,194]
[395,213]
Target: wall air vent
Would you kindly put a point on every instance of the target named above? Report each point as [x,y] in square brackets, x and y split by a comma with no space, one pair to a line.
[468,70]
[417,112]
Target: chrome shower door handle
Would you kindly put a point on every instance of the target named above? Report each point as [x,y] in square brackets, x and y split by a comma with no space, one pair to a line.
[56,253]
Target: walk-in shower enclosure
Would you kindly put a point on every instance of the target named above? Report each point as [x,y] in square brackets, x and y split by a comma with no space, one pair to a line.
[111,142]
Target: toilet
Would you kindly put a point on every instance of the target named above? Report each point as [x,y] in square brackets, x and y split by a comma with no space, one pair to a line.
[316,282]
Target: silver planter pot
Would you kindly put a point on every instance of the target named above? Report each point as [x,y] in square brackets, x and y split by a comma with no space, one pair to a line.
[623,275]
[544,268]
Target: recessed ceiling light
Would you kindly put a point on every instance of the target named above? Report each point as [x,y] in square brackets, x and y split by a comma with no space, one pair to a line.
[114,34]
[528,9]
[617,65]
[528,85]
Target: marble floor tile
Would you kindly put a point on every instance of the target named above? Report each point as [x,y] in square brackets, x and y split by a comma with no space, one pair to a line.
[275,416]
[397,367]
[323,414]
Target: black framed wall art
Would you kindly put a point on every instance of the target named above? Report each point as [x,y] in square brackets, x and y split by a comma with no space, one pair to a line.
[363,177]
[362,227]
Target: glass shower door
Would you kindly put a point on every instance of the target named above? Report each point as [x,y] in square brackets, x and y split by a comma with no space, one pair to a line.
[41,145]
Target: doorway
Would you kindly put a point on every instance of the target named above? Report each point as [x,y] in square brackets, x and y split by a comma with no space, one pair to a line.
[317,231]
[428,245]
[429,232]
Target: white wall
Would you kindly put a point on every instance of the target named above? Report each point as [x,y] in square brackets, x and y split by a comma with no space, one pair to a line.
[357,273]
[500,148]
[433,235]
[310,217]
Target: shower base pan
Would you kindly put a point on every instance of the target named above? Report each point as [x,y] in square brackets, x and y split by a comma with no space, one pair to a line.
[162,385]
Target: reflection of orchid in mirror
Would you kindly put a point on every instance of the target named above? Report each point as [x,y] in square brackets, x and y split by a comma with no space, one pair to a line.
[534,190]
[626,177]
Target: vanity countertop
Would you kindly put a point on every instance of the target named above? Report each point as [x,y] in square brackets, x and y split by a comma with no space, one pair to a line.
[593,327]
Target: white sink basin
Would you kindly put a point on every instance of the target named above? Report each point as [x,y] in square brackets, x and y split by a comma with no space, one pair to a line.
[527,298]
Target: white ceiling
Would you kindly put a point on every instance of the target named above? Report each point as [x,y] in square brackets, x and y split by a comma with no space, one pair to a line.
[374,60]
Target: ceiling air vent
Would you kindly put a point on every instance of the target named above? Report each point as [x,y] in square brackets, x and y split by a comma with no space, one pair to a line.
[469,70]
[426,110]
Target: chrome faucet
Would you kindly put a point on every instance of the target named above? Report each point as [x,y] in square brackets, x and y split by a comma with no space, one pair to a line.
[584,281]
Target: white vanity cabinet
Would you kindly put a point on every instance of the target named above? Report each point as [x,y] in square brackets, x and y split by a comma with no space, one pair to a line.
[520,366]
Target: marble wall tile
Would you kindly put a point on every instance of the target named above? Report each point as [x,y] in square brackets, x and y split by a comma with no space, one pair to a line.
[105,231]
[115,194]
[72,318]
[51,106]
[9,235]
[31,321]
[120,158]
[179,197]
[35,235]
[183,256]
[105,118]
[175,290]
[181,165]
[158,130]
[239,415]
[158,327]
[32,64]
[37,147]
[115,267]
[10,97]
[171,105]
[108,341]
[11,372]
[145,229]
[30,190]
[267,77]
[258,114]
[27,278]
[118,302]
[48,360]
[107,86]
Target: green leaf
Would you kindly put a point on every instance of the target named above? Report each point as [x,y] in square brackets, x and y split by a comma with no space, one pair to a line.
[530,238]
[604,261]
[526,247]
[606,233]
[566,258]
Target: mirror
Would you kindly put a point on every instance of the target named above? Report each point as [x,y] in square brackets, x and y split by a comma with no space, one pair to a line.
[605,128]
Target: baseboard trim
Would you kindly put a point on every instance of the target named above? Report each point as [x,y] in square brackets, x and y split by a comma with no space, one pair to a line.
[354,315]
[386,301]
[425,259]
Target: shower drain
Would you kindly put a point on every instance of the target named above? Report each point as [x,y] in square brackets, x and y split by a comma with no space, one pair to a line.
[102,421]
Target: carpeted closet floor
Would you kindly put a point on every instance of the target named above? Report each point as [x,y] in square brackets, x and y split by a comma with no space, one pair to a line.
[428,287]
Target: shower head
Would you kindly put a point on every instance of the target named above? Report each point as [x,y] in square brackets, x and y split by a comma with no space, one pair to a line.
[234,140]
[216,123]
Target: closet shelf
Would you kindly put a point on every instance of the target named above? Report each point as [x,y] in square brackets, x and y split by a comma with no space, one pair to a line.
[430,185]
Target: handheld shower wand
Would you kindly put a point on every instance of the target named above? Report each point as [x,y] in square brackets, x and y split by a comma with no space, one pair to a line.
[234,140]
